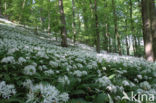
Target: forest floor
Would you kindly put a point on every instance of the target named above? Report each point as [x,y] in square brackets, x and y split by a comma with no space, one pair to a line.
[36,69]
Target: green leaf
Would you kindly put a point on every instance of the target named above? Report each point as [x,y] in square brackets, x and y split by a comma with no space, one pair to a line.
[110,99]
[101,98]
[112,76]
[78,92]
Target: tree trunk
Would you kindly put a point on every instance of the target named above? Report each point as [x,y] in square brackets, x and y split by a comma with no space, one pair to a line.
[63,27]
[49,26]
[105,44]
[147,31]
[49,18]
[132,28]
[153,26]
[74,24]
[5,6]
[96,27]
[127,46]
[117,36]
[21,13]
[109,43]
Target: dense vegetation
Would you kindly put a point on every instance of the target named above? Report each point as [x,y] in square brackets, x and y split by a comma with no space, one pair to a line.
[74,51]
[114,26]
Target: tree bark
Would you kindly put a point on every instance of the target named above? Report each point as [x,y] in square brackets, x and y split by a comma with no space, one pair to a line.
[49,26]
[127,45]
[74,24]
[96,27]
[105,43]
[49,18]
[153,26]
[132,28]
[5,6]
[117,36]
[63,27]
[147,30]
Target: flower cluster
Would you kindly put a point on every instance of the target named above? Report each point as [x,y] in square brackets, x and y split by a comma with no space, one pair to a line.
[9,59]
[6,91]
[46,93]
[30,70]
[64,80]
[79,73]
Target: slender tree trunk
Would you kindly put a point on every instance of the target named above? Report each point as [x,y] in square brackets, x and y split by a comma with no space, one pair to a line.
[105,43]
[153,25]
[63,28]
[79,24]
[139,42]
[127,45]
[21,13]
[109,43]
[147,31]
[74,24]
[49,18]
[96,27]
[5,6]
[117,36]
[41,17]
[132,28]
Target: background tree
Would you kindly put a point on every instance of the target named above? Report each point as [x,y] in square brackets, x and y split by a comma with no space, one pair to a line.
[63,26]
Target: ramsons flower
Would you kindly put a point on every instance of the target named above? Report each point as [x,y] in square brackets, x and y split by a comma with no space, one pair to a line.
[6,91]
[9,59]
[103,81]
[30,70]
[64,80]
[46,93]
[21,60]
[79,73]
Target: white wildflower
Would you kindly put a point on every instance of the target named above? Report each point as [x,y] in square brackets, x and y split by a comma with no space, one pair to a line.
[74,66]
[30,70]
[28,83]
[94,64]
[103,81]
[11,51]
[145,85]
[99,73]
[104,68]
[53,64]
[140,91]
[21,60]
[6,91]
[64,80]
[136,80]
[89,66]
[125,83]
[49,72]
[42,54]
[9,59]
[64,97]
[34,64]
[79,73]
[48,94]
[79,65]
[139,77]
[112,88]
[57,71]
[84,73]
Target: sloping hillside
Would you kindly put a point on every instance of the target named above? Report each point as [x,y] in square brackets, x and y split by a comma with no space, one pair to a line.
[35,69]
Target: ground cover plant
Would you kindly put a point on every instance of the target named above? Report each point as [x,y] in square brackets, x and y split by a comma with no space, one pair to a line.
[35,69]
